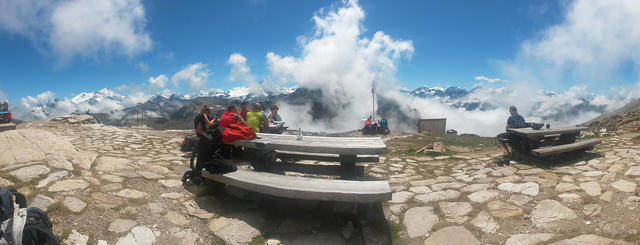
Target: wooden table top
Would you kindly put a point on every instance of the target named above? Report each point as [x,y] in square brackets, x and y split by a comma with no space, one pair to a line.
[316,144]
[529,132]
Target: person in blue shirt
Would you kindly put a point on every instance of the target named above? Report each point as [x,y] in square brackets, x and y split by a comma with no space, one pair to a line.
[514,121]
[383,126]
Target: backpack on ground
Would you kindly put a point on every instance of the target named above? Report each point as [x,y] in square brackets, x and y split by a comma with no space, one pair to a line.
[23,226]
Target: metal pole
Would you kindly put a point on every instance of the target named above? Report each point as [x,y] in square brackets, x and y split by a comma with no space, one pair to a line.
[373,100]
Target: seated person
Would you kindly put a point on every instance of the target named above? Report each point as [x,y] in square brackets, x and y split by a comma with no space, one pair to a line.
[514,121]
[243,109]
[383,126]
[276,118]
[201,123]
[230,117]
[256,119]
[368,127]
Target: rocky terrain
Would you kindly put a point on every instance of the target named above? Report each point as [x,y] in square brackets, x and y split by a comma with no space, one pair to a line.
[109,185]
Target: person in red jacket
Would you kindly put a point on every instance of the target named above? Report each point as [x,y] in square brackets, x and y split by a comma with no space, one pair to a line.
[244,109]
[230,117]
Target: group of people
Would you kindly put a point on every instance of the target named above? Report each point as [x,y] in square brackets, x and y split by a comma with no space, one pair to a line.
[234,124]
[380,127]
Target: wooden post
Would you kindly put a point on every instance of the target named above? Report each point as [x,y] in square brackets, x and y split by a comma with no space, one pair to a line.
[348,166]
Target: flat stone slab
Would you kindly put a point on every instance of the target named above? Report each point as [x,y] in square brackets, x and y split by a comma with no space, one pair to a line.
[172,195]
[451,235]
[401,197]
[483,195]
[130,193]
[528,188]
[111,164]
[592,188]
[419,190]
[529,239]
[68,185]
[564,187]
[485,222]
[624,186]
[30,172]
[122,225]
[633,171]
[240,230]
[502,209]
[170,183]
[139,235]
[52,177]
[455,211]
[476,187]
[591,239]
[149,175]
[61,163]
[74,204]
[112,178]
[6,182]
[41,201]
[76,238]
[437,196]
[549,212]
[418,221]
[176,218]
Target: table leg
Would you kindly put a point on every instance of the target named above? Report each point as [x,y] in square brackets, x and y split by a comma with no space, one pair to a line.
[348,166]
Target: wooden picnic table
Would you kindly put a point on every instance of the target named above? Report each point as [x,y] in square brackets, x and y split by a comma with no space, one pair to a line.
[555,140]
[347,148]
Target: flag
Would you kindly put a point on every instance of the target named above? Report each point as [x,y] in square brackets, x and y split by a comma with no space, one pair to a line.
[373,87]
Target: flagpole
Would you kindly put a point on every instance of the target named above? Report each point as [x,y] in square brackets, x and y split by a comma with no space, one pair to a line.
[373,100]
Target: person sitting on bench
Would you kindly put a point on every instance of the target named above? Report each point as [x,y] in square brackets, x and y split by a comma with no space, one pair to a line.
[514,121]
[256,119]
[201,124]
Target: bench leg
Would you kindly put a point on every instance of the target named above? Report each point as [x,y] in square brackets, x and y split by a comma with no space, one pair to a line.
[348,166]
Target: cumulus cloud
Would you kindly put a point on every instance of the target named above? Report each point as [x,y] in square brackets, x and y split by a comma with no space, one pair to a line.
[81,28]
[340,61]
[3,96]
[158,82]
[489,80]
[594,40]
[195,75]
[240,71]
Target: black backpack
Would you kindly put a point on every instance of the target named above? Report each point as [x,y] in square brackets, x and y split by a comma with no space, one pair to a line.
[23,226]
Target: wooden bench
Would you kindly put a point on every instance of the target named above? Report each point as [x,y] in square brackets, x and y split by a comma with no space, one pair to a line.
[551,150]
[323,157]
[553,141]
[345,150]
[305,188]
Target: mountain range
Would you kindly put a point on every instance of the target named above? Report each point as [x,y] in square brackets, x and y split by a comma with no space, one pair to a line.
[173,110]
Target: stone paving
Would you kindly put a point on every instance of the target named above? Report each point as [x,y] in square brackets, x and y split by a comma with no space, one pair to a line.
[109,185]
[591,200]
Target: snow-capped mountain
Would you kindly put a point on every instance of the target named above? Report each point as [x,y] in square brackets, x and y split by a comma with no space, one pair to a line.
[171,109]
[96,97]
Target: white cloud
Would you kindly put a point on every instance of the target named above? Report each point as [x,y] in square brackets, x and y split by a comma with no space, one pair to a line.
[195,75]
[489,80]
[594,40]
[122,87]
[83,28]
[240,71]
[3,96]
[158,82]
[341,62]
[143,66]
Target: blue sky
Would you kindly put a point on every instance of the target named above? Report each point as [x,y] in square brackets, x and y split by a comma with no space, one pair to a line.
[453,42]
